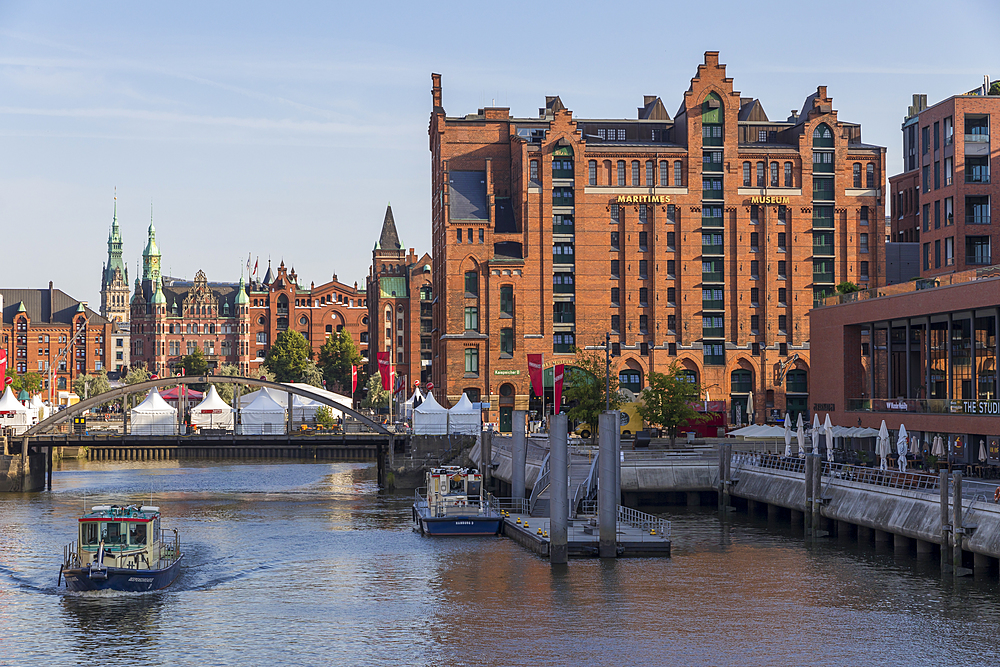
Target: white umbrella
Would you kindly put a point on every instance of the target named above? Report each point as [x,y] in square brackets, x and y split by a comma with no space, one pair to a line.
[788,435]
[800,435]
[937,449]
[815,434]
[915,445]
[883,446]
[901,447]
[828,430]
[982,452]
[750,415]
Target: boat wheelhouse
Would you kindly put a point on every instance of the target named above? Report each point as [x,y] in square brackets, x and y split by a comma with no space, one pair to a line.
[452,503]
[121,548]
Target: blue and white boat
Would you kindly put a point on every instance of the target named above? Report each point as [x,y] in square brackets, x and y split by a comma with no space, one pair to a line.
[452,503]
[121,548]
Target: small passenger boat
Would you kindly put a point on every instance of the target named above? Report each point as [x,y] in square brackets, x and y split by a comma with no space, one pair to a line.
[121,548]
[452,503]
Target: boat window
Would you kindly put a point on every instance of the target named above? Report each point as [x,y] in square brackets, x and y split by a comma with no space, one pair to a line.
[137,533]
[112,533]
[89,533]
[473,488]
[456,485]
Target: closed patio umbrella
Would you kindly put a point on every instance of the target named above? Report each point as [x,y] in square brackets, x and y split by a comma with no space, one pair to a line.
[788,435]
[751,417]
[982,452]
[828,431]
[815,434]
[915,445]
[901,447]
[800,435]
[938,448]
[883,446]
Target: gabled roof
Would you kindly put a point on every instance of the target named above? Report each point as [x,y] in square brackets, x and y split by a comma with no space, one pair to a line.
[389,239]
[36,303]
[652,109]
[752,110]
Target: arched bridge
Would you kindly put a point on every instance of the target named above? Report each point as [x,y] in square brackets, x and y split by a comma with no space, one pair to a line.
[79,408]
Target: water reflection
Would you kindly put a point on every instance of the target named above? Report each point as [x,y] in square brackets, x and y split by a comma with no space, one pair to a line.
[104,624]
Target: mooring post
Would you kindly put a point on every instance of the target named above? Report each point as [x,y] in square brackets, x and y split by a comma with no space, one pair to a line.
[380,465]
[810,494]
[618,461]
[291,416]
[559,508]
[519,453]
[49,467]
[957,530]
[945,523]
[607,508]
[817,489]
[727,471]
[722,477]
[486,458]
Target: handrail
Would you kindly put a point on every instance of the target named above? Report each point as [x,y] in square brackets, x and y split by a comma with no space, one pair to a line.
[541,483]
[969,510]
[585,489]
[643,521]
[913,481]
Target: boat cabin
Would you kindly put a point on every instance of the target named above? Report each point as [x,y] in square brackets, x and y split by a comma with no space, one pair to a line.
[451,488]
[130,535]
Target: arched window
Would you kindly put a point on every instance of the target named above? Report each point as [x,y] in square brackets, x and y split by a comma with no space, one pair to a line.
[788,175]
[760,175]
[741,381]
[711,120]
[690,375]
[870,175]
[747,174]
[856,168]
[621,172]
[822,136]
[635,174]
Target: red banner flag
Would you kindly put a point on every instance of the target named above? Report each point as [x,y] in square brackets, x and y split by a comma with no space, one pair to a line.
[535,373]
[3,364]
[354,379]
[384,369]
[558,386]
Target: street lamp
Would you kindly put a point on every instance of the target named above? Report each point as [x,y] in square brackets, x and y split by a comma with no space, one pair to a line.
[607,371]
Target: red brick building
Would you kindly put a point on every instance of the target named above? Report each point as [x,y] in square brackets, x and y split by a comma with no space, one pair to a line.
[47,330]
[400,296]
[944,197]
[235,323]
[702,239]
[933,345]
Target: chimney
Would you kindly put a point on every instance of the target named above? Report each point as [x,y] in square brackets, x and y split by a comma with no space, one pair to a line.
[436,91]
[821,92]
[712,58]
[51,303]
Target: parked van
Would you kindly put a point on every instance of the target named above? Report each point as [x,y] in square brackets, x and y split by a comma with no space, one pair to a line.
[630,424]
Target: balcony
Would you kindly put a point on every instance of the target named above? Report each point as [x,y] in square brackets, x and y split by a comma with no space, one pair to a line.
[711,222]
[711,194]
[979,259]
[713,332]
[713,304]
[823,249]
[823,278]
[563,289]
[712,250]
[977,219]
[977,176]
[711,277]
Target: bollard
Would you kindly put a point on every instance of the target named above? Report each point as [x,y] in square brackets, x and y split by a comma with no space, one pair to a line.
[559,490]
[957,530]
[945,523]
[607,508]
[519,453]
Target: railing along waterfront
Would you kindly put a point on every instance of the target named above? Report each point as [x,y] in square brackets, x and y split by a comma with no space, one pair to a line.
[914,481]
[643,521]
[914,285]
[541,483]
[515,505]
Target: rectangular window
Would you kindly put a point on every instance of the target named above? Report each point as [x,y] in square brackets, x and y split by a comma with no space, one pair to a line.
[754,214]
[592,172]
[788,175]
[937,135]
[781,241]
[643,237]
[774,175]
[864,215]
[937,254]
[621,173]
[507,300]
[671,267]
[754,269]
[671,239]
[614,268]
[507,342]
[937,214]
[782,295]
[615,323]
[714,354]
[458,235]
[927,217]
[782,264]
[470,235]
[863,242]
[761,182]
[671,295]
[615,294]
[472,360]
[644,324]
[671,213]
[864,271]
[533,174]
[635,174]
[482,236]
[949,171]
[754,296]
[643,296]
[755,324]
[615,212]
[937,175]
[650,173]
[471,283]
[471,318]
[643,213]
[671,323]
[614,240]
[782,323]
[712,326]
[927,256]
[925,139]
[664,173]
[678,175]
[925,178]
[754,241]
[823,188]
[643,268]
[949,251]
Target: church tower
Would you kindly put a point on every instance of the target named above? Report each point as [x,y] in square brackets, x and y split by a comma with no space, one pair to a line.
[150,264]
[114,276]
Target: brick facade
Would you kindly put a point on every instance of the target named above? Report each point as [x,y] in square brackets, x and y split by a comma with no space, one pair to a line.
[685,225]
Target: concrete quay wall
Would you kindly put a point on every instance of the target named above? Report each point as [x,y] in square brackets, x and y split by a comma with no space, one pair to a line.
[669,476]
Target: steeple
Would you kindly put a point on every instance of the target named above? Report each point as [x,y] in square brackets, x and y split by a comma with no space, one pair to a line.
[241,295]
[151,255]
[389,239]
[114,274]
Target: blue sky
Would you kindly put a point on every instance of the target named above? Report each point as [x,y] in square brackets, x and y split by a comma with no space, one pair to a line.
[283,129]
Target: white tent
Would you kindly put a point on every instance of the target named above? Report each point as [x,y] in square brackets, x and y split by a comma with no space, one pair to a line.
[154,416]
[264,416]
[303,408]
[429,418]
[412,402]
[212,412]
[464,418]
[13,414]
[759,432]
[37,408]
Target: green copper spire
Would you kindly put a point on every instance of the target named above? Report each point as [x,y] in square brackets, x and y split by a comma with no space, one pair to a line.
[115,262]
[241,297]
[151,255]
[159,299]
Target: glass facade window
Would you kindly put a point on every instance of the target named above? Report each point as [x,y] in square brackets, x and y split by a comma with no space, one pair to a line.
[592,172]
[788,175]
[714,354]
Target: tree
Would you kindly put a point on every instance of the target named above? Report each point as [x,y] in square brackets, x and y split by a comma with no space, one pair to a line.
[88,386]
[585,386]
[336,357]
[847,287]
[194,363]
[288,357]
[324,416]
[312,374]
[227,391]
[377,396]
[29,382]
[668,399]
[136,374]
[994,88]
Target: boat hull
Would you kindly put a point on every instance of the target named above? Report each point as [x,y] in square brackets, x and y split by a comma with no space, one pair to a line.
[122,579]
[458,526]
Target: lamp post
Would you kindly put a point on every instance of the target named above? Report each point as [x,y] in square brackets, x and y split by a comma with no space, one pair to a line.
[607,370]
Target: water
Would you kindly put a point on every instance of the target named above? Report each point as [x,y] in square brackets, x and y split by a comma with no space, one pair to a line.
[306,564]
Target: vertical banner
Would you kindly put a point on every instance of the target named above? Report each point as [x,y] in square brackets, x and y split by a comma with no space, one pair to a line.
[384,370]
[557,386]
[354,379]
[535,373]
[3,366]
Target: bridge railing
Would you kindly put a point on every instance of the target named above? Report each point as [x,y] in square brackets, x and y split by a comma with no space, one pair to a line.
[541,483]
[585,491]
[643,521]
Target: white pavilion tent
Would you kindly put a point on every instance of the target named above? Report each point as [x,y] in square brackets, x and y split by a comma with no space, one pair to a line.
[413,401]
[429,418]
[13,414]
[212,412]
[263,416]
[153,416]
[303,408]
[37,408]
[464,418]
[759,432]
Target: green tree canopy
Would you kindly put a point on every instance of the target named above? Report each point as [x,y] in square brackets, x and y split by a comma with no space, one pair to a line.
[29,382]
[195,363]
[847,287]
[667,400]
[288,357]
[88,386]
[136,374]
[377,396]
[336,357]
[585,388]
[312,374]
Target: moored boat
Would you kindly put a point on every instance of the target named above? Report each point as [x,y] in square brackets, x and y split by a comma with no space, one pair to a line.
[452,503]
[121,548]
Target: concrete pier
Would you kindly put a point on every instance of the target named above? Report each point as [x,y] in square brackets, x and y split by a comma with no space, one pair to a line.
[519,451]
[559,507]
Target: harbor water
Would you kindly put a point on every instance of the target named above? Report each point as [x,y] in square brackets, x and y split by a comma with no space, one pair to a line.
[308,564]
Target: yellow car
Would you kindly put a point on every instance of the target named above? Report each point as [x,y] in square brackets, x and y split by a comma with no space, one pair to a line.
[630,424]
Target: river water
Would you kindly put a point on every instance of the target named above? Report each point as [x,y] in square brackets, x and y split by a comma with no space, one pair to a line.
[307,564]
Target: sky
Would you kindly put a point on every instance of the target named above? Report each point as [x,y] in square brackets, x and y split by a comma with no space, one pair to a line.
[282,130]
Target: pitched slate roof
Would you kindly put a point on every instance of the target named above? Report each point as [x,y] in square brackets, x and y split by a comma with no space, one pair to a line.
[61,308]
[389,238]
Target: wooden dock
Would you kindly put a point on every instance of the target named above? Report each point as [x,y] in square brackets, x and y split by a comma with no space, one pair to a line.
[583,537]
